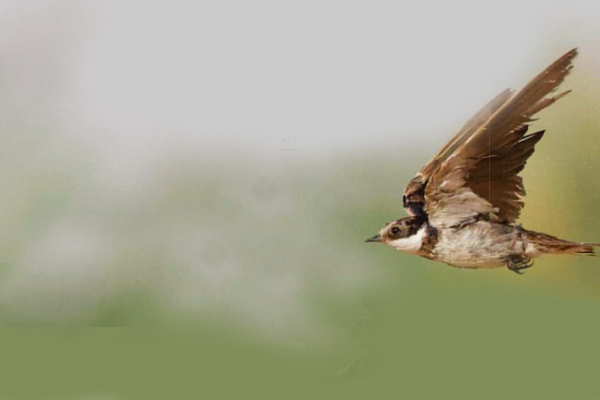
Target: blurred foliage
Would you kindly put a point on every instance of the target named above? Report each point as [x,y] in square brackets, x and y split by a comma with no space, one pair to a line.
[259,270]
[243,256]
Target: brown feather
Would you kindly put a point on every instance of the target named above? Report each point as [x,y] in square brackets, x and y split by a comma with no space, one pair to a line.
[415,190]
[474,124]
[553,245]
[485,157]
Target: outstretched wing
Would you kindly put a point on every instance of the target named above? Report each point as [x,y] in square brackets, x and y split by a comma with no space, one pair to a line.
[414,193]
[476,172]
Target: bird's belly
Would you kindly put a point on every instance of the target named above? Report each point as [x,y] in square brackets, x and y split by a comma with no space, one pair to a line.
[475,246]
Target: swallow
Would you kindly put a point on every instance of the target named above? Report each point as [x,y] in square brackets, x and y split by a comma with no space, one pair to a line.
[464,203]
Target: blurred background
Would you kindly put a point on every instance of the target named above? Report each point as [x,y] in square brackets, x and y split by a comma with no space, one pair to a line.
[219,165]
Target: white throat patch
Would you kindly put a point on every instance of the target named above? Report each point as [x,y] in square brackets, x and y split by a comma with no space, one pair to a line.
[411,244]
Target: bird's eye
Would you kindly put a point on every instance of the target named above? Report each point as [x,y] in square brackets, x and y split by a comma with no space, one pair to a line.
[395,230]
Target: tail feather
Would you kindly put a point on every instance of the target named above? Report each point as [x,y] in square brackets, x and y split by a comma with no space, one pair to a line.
[549,244]
[589,248]
[586,249]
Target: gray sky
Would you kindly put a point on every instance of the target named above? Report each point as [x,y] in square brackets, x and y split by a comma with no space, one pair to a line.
[249,75]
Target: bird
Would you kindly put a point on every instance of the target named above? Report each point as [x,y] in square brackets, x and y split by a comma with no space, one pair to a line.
[464,203]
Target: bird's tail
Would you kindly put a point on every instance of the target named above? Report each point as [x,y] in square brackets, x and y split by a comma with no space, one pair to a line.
[544,243]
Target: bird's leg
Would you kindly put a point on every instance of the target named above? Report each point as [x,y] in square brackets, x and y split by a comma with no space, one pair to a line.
[517,263]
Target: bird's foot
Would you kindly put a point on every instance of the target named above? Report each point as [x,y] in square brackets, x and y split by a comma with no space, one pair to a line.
[517,263]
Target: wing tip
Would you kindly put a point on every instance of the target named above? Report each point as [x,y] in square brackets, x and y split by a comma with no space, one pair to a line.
[562,94]
[567,59]
[569,55]
[562,65]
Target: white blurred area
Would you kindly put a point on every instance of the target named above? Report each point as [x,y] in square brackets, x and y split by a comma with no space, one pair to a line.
[144,143]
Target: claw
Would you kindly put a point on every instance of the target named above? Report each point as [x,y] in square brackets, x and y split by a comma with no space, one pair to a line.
[517,263]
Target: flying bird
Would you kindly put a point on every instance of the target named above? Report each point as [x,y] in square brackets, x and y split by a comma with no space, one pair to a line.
[464,203]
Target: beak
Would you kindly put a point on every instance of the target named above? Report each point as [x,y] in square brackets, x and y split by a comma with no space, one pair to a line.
[376,238]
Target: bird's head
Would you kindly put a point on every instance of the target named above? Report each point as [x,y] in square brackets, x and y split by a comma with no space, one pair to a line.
[406,234]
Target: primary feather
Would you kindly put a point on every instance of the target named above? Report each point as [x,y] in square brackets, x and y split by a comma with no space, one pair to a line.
[476,173]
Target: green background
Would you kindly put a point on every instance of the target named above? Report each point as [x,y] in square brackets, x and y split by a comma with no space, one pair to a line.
[233,275]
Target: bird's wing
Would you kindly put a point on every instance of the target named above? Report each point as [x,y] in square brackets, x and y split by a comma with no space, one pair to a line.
[476,172]
[414,193]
